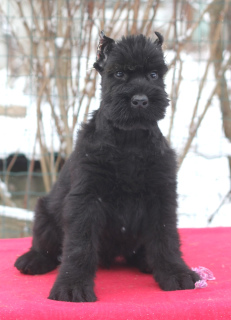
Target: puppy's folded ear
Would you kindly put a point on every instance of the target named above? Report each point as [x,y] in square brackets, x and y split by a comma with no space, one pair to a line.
[104,47]
[160,39]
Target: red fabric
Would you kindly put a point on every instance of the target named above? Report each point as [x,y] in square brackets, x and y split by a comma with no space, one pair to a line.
[123,292]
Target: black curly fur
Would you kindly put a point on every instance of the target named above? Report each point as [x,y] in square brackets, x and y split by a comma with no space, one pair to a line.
[116,195]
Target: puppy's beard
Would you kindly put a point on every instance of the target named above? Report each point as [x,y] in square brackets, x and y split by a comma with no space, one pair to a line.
[125,118]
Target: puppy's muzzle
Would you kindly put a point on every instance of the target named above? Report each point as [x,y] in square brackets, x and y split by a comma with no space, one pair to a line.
[139,101]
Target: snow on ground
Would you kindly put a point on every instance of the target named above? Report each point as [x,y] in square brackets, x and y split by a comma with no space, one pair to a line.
[203,179]
[202,187]
[16,213]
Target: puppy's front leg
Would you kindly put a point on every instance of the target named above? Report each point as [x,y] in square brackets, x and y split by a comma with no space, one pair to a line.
[163,247]
[169,269]
[75,281]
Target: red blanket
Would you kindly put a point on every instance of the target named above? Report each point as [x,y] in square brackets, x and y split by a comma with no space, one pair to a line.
[124,292]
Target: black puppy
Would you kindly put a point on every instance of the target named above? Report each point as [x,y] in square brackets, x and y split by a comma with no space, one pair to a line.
[116,195]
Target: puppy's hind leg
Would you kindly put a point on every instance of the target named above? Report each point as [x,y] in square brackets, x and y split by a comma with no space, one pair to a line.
[46,245]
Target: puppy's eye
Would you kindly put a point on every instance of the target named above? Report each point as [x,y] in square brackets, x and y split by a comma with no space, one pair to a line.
[154,75]
[119,74]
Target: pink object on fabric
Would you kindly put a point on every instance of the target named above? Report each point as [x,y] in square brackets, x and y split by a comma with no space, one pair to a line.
[201,284]
[205,274]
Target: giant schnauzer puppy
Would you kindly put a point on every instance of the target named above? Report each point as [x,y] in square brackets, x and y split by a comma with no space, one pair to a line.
[116,194]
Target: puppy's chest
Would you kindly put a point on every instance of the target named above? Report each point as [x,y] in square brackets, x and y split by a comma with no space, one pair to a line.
[130,171]
[130,166]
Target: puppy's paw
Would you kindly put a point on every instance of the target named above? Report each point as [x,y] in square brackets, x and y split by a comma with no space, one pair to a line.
[72,292]
[34,262]
[178,281]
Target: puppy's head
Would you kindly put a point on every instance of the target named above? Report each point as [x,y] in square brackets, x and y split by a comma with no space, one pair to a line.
[132,71]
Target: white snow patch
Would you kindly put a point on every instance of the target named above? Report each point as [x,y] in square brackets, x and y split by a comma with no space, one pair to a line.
[17,213]
[59,42]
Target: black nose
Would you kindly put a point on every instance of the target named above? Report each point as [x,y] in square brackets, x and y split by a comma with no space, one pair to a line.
[139,101]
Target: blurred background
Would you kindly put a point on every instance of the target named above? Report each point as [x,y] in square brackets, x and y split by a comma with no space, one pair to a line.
[48,87]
